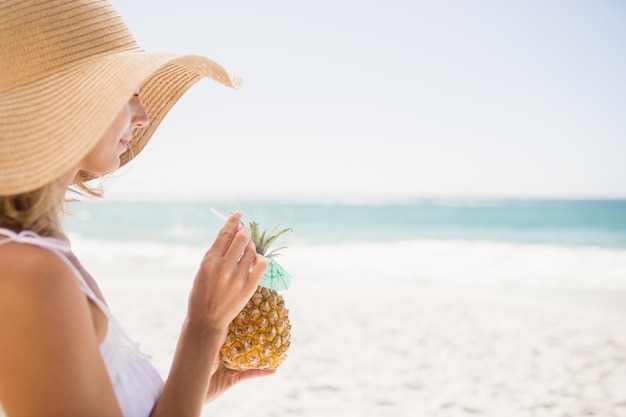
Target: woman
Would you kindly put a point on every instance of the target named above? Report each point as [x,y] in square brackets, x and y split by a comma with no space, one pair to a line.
[79,98]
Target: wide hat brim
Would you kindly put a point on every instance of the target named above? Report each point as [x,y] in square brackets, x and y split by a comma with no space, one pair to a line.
[60,118]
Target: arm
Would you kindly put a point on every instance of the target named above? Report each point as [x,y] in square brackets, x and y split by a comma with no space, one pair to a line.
[223,286]
[50,363]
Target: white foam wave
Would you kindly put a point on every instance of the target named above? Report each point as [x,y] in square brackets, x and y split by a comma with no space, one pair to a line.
[459,263]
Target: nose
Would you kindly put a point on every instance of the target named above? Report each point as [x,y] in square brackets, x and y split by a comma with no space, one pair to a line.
[139,117]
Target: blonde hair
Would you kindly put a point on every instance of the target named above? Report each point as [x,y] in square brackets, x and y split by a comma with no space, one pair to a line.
[82,187]
[40,210]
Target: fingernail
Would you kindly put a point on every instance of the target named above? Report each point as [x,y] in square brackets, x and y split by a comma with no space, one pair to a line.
[239,215]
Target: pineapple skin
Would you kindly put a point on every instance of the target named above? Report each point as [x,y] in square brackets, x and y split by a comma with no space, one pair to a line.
[260,335]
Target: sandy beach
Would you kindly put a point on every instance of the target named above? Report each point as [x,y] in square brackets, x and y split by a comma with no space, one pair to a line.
[399,347]
[442,356]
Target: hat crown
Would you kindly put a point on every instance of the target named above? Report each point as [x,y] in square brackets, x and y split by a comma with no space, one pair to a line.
[40,37]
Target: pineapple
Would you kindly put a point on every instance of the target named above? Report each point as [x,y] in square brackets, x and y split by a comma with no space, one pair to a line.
[258,338]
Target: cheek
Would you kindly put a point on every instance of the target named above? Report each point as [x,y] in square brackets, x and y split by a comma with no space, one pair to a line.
[103,158]
[118,128]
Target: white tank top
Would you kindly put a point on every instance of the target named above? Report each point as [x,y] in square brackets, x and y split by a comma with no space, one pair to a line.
[136,382]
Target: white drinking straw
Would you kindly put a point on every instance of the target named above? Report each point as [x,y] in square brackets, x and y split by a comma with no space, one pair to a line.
[222,216]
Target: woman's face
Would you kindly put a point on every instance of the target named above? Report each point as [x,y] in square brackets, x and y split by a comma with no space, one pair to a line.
[105,156]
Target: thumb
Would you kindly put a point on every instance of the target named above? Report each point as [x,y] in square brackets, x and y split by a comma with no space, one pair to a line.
[253,373]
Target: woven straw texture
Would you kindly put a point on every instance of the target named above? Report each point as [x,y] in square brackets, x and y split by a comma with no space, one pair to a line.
[67,67]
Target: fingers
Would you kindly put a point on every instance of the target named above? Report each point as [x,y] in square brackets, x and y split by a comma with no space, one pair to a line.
[251,374]
[233,242]
[248,263]
[259,266]
[240,244]
[251,271]
[235,251]
[227,234]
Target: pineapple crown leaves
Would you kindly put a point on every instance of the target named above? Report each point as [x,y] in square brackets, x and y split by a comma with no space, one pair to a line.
[263,240]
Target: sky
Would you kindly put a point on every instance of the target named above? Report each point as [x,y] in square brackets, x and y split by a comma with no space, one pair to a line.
[388,100]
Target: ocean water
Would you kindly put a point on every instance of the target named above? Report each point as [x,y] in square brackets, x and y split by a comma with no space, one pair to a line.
[599,223]
[573,244]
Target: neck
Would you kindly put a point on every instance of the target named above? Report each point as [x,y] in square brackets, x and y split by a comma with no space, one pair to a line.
[67,179]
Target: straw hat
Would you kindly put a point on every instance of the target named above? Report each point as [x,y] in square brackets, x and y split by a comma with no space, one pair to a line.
[67,68]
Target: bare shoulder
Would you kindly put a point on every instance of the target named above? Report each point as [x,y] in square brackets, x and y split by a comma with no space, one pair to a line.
[49,348]
[16,255]
[29,270]
[34,283]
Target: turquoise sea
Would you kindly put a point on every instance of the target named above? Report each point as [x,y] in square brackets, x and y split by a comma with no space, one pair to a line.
[599,223]
[512,244]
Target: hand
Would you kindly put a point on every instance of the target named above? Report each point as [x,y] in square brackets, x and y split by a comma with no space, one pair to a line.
[228,276]
[224,378]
